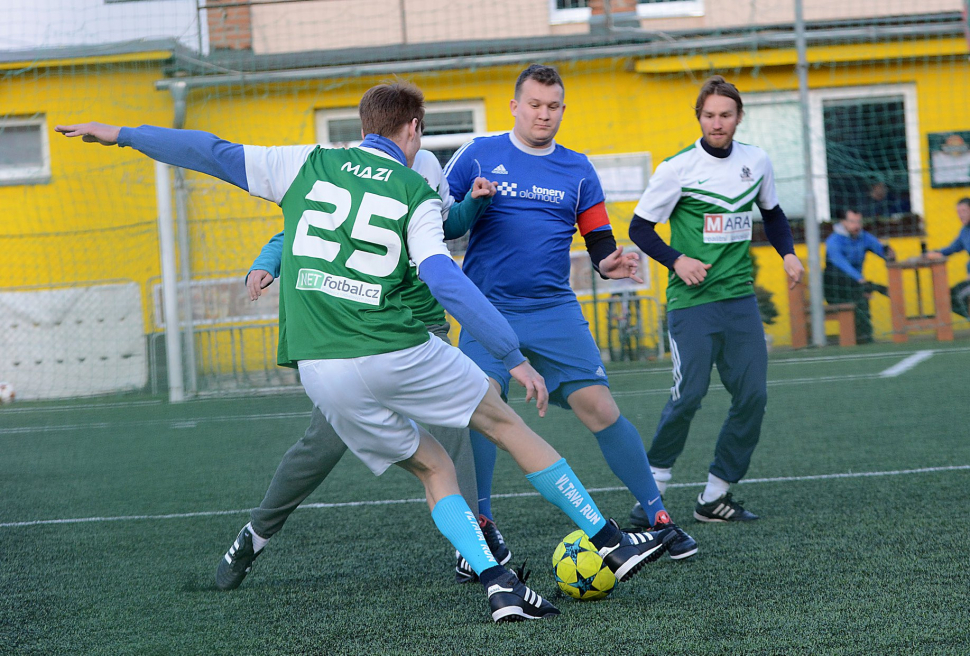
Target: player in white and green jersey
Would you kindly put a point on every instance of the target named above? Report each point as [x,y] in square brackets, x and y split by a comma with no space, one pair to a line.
[307,463]
[353,220]
[707,192]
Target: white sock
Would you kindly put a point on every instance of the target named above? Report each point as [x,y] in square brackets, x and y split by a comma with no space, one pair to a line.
[661,476]
[716,488]
[258,542]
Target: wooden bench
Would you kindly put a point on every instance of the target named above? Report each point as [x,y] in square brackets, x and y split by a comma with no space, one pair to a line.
[799,312]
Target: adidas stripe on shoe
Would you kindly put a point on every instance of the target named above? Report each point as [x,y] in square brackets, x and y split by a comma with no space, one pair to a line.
[681,547]
[630,551]
[724,509]
[513,601]
[237,562]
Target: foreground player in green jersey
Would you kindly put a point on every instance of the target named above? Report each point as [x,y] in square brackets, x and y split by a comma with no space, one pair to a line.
[354,220]
[707,192]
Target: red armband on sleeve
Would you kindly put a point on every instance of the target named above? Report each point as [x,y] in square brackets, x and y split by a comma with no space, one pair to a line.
[593,218]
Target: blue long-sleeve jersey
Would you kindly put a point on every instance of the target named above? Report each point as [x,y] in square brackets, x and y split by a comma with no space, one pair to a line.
[848,253]
[961,243]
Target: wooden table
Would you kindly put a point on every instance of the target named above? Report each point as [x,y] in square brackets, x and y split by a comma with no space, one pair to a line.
[939,319]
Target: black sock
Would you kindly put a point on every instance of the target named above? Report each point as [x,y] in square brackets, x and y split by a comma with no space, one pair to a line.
[491,575]
[606,536]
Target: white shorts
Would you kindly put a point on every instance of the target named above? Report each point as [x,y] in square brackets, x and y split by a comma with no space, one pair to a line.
[373,401]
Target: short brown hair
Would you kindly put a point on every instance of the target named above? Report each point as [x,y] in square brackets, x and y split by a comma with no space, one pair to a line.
[385,108]
[542,74]
[963,201]
[716,85]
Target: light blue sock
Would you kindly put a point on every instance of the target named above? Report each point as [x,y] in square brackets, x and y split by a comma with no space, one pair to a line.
[458,523]
[560,486]
[484,452]
[623,449]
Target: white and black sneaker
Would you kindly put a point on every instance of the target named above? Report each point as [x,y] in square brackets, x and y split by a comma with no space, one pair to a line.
[496,544]
[511,600]
[684,546]
[628,552]
[237,562]
[723,509]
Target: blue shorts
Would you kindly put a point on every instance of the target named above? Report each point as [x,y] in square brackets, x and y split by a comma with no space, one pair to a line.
[557,342]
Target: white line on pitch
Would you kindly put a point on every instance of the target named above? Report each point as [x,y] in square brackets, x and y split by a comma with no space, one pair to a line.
[512,495]
[906,364]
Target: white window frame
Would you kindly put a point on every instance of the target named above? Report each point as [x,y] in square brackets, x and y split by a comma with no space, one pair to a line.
[559,16]
[670,9]
[477,107]
[25,174]
[816,100]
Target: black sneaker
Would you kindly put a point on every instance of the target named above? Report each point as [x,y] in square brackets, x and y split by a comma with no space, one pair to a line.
[237,562]
[496,543]
[631,551]
[511,600]
[683,546]
[724,509]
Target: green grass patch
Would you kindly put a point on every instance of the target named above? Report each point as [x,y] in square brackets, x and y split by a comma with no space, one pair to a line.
[869,563]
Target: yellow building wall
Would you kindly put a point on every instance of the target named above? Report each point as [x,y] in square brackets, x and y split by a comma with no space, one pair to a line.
[95,219]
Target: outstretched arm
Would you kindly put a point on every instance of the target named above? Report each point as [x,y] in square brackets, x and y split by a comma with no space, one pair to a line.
[190,149]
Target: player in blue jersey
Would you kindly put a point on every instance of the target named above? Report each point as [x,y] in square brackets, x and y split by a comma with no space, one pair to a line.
[364,361]
[518,255]
[707,193]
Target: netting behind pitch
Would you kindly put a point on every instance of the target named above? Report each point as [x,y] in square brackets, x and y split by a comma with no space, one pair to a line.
[79,252]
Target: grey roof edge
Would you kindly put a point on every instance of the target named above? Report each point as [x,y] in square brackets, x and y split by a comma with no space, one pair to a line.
[187,72]
[38,55]
[654,43]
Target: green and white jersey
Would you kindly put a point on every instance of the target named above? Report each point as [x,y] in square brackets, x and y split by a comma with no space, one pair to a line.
[353,220]
[709,202]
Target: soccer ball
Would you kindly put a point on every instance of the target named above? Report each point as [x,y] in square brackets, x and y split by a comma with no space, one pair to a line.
[7,395]
[579,569]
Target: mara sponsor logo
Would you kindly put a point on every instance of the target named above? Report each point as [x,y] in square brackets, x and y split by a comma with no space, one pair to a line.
[727,228]
[338,286]
[367,172]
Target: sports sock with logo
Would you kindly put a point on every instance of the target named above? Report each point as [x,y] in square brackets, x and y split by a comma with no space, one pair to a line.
[458,523]
[559,485]
[484,452]
[716,488]
[623,449]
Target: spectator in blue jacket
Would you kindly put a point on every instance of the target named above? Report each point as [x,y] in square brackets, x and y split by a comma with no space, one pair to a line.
[959,293]
[843,281]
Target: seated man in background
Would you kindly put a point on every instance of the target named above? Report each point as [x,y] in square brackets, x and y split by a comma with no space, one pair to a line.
[843,282]
[959,293]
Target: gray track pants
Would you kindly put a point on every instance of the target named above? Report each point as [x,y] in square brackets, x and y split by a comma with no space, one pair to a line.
[308,462]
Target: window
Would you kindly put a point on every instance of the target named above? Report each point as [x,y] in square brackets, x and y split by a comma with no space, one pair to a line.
[24,154]
[669,8]
[569,11]
[865,154]
[577,11]
[447,126]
